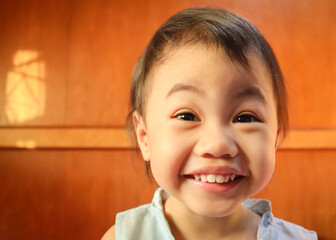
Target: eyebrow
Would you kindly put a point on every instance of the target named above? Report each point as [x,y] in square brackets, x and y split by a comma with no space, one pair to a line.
[251,92]
[184,87]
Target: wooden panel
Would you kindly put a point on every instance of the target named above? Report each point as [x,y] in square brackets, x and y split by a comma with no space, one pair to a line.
[305,49]
[304,39]
[76,194]
[54,138]
[310,139]
[33,62]
[67,194]
[302,190]
[102,54]
[116,138]
[84,52]
[89,48]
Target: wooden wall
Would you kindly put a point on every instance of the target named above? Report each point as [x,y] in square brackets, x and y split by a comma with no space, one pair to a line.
[66,166]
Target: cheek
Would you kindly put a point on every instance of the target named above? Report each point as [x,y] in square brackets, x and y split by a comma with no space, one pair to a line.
[169,152]
[260,152]
[264,168]
[266,163]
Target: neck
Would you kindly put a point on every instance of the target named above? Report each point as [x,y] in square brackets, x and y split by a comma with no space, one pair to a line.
[185,224]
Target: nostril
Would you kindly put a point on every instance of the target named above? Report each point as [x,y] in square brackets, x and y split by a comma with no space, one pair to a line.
[224,156]
[208,155]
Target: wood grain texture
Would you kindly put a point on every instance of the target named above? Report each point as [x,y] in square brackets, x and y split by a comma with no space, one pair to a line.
[38,27]
[68,138]
[302,190]
[59,194]
[116,138]
[90,47]
[67,194]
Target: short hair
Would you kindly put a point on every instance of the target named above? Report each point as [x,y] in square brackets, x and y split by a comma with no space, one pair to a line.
[209,26]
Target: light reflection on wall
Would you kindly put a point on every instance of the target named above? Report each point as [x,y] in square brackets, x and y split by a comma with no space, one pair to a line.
[25,87]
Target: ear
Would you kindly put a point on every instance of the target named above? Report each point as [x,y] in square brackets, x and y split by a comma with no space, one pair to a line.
[141,133]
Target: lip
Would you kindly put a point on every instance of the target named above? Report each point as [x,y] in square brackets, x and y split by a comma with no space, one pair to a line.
[217,188]
[217,170]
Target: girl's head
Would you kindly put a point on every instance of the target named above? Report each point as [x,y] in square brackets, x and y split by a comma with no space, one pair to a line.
[207,102]
[226,31]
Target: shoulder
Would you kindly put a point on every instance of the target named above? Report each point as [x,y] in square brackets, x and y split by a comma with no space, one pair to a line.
[127,224]
[146,222]
[144,213]
[110,234]
[134,213]
[135,218]
[271,227]
[282,229]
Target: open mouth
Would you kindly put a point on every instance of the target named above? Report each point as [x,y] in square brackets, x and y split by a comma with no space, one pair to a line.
[212,178]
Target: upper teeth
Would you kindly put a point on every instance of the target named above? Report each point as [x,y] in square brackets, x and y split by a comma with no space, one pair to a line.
[211,178]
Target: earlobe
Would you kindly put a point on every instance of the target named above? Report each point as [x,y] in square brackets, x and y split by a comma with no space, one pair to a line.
[141,133]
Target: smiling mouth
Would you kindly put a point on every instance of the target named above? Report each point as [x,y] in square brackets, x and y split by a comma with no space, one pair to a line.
[212,178]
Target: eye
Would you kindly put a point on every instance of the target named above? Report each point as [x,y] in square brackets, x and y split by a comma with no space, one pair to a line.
[187,117]
[246,118]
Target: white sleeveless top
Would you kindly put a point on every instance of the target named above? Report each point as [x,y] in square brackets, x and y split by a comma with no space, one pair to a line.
[147,222]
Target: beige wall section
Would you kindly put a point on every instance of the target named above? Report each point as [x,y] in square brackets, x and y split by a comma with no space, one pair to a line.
[65,68]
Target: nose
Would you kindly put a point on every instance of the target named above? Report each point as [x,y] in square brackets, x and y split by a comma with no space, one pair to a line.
[216,142]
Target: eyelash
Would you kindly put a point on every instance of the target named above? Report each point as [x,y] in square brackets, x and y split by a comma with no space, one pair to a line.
[241,118]
[252,118]
[184,115]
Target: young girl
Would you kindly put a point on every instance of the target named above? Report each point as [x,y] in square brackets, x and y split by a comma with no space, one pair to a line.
[208,104]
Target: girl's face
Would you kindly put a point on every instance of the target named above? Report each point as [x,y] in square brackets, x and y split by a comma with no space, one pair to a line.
[210,129]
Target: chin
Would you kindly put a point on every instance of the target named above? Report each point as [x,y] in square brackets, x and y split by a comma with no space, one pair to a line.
[216,210]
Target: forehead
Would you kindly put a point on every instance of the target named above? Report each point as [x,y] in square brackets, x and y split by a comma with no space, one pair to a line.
[198,64]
